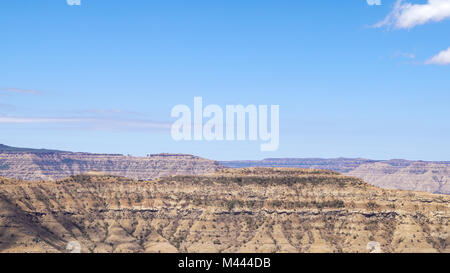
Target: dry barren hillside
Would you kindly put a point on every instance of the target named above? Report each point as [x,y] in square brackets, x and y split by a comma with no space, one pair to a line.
[233,210]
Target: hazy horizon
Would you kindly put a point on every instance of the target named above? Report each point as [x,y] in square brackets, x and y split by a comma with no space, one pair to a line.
[235,159]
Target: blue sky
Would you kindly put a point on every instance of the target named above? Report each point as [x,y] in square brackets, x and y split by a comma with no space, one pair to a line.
[104,76]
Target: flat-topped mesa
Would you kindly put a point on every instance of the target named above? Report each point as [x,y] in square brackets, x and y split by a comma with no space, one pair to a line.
[278,171]
[9,149]
[172,155]
[27,164]
[272,176]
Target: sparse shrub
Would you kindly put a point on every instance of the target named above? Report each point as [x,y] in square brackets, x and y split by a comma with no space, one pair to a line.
[231,204]
[372,205]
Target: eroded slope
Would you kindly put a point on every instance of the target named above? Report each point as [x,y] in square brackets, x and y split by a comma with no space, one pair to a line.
[240,210]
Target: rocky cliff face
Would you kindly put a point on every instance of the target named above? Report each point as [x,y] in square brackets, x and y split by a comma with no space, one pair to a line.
[340,165]
[419,176]
[392,174]
[56,165]
[233,210]
[43,164]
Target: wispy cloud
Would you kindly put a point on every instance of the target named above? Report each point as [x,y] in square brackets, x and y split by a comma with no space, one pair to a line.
[37,120]
[407,15]
[443,58]
[108,112]
[107,124]
[19,91]
[402,54]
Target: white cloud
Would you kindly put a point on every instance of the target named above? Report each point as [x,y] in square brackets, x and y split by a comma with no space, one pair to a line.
[407,15]
[443,58]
